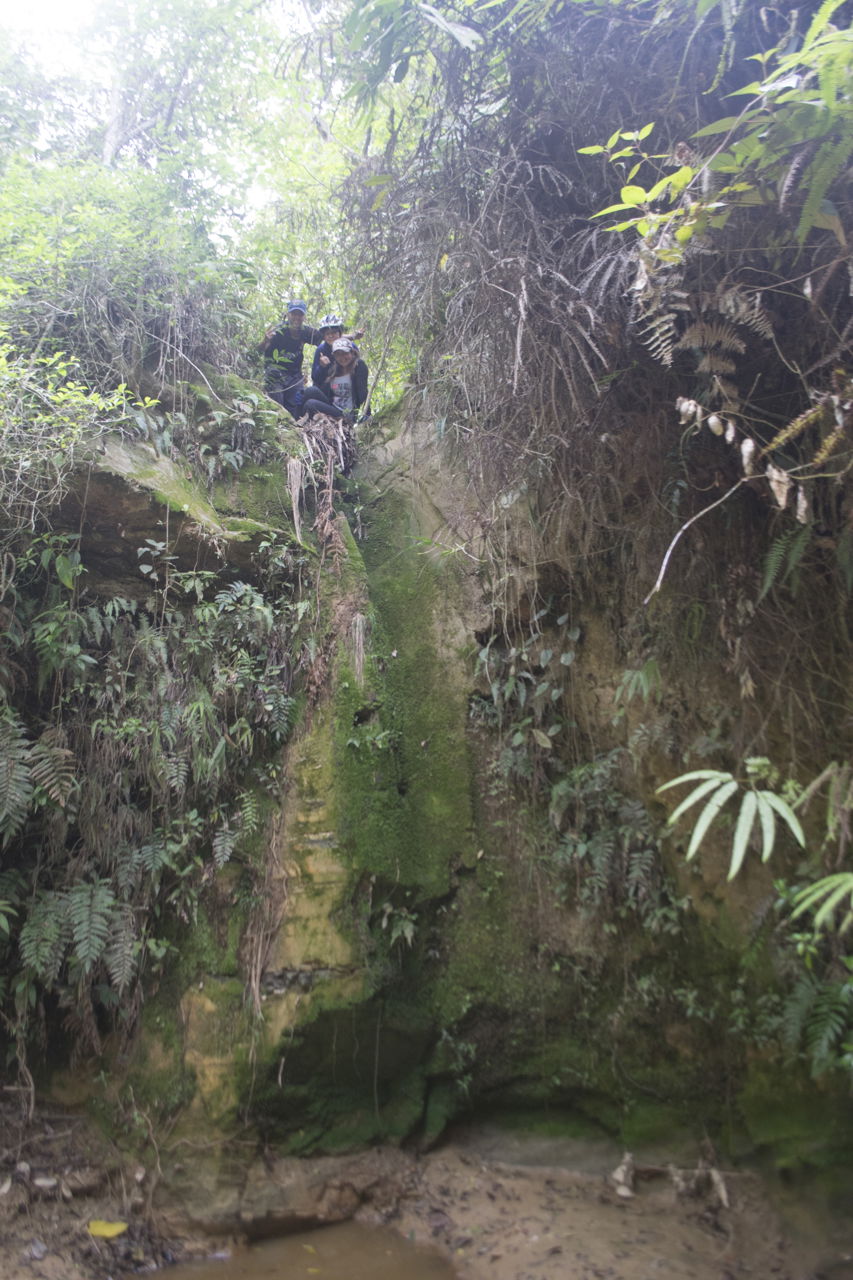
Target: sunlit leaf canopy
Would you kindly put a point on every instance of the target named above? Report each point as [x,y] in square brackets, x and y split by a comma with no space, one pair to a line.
[252,115]
[196,113]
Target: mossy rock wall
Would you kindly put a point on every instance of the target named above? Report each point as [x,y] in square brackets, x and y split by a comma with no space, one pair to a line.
[427,958]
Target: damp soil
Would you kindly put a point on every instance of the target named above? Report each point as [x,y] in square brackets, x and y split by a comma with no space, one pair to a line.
[486,1205]
[348,1250]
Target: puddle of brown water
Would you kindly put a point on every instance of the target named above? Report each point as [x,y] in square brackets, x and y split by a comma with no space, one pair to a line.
[347,1251]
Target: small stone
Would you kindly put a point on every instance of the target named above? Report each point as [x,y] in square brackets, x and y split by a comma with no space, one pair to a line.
[83,1182]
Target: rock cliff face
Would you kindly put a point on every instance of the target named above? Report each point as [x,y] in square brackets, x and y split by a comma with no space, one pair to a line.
[441,923]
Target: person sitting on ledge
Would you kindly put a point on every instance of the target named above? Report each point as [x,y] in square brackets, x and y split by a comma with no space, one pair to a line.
[342,387]
[282,347]
[332,328]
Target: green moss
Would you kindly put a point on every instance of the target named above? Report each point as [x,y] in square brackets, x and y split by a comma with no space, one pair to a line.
[490,961]
[157,1077]
[553,1123]
[646,1121]
[256,493]
[801,1124]
[210,945]
[402,773]
[245,528]
[444,1101]
[352,1076]
[200,397]
[162,1093]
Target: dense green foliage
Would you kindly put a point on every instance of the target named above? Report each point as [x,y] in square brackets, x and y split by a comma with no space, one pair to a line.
[584,249]
[141,720]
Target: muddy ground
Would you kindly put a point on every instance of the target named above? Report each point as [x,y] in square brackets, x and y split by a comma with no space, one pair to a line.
[490,1218]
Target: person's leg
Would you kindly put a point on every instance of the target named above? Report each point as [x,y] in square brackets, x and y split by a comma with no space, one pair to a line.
[313,406]
[293,400]
[317,393]
[286,390]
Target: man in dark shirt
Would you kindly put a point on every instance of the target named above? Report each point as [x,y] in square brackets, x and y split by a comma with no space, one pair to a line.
[282,348]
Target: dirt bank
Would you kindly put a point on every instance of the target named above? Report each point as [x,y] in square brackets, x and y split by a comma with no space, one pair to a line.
[508,1222]
[490,1218]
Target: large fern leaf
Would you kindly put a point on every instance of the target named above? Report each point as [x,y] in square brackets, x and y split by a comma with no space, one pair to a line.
[784,556]
[122,949]
[45,936]
[53,765]
[16,787]
[177,769]
[744,307]
[829,1021]
[797,1009]
[706,335]
[249,812]
[91,911]
[224,841]
[829,163]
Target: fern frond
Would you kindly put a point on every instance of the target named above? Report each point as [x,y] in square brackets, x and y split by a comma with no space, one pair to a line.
[786,813]
[801,158]
[16,786]
[45,936]
[799,545]
[281,712]
[708,814]
[122,950]
[828,164]
[95,626]
[710,784]
[754,317]
[641,876]
[798,1007]
[53,766]
[154,855]
[91,911]
[658,334]
[774,560]
[713,362]
[128,868]
[249,812]
[177,771]
[820,21]
[224,841]
[706,334]
[231,594]
[828,1022]
[743,830]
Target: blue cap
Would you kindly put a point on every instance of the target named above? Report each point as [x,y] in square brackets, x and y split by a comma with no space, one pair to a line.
[297,306]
